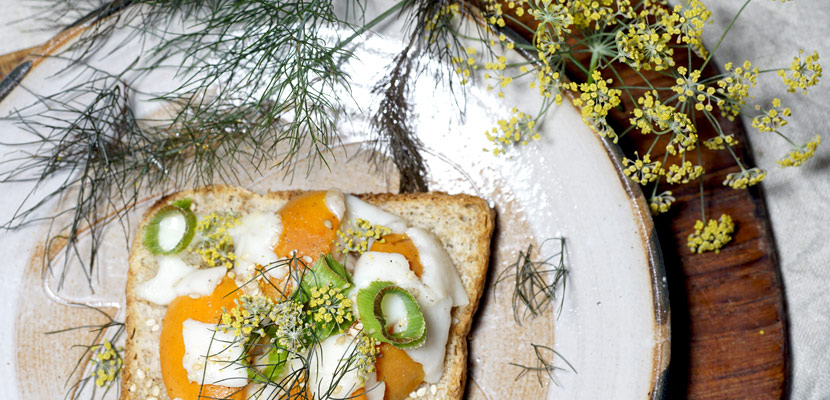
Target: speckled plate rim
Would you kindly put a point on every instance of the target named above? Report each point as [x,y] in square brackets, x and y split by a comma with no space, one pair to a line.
[657,269]
[647,233]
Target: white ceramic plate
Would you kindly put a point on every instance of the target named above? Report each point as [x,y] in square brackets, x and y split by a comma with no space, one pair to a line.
[613,328]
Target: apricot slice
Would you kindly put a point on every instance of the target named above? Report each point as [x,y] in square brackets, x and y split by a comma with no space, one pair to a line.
[171,345]
[272,287]
[401,243]
[401,374]
[308,226]
[359,394]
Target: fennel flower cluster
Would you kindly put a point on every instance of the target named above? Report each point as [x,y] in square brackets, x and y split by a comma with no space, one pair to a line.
[593,48]
[711,235]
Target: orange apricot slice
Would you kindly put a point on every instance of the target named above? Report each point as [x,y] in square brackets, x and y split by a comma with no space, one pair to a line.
[308,227]
[401,243]
[401,374]
[274,288]
[206,309]
[359,394]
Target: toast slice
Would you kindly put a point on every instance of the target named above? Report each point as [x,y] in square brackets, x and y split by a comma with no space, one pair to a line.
[462,223]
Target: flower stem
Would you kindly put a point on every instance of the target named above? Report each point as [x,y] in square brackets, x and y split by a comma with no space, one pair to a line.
[788,139]
[593,66]
[700,181]
[728,27]
[371,24]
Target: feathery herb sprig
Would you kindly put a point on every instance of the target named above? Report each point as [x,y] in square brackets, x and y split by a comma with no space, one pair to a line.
[536,282]
[544,366]
[259,88]
[395,134]
[433,32]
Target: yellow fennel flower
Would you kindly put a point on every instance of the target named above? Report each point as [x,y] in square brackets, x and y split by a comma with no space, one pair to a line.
[661,203]
[745,178]
[642,170]
[802,73]
[596,100]
[773,119]
[733,88]
[799,155]
[712,235]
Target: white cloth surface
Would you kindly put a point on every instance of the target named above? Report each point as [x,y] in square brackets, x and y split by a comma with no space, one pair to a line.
[769,34]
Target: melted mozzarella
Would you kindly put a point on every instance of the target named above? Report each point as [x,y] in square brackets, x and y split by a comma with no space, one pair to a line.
[336,203]
[159,289]
[175,278]
[356,208]
[328,362]
[431,354]
[171,230]
[439,273]
[201,282]
[222,366]
[374,389]
[254,239]
[389,267]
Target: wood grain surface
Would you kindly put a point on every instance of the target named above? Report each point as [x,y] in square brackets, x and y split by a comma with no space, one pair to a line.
[729,336]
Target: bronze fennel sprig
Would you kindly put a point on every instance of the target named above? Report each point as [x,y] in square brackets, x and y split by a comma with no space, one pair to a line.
[280,52]
[537,283]
[391,122]
[96,152]
[433,33]
[544,365]
[107,159]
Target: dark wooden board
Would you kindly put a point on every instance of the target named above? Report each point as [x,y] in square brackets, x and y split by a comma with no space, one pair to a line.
[729,336]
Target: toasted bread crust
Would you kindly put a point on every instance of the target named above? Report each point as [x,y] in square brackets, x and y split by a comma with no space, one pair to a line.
[463,224]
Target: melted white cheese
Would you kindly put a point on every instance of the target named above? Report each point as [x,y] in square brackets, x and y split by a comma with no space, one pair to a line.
[328,362]
[356,208]
[175,278]
[261,391]
[336,203]
[254,239]
[171,230]
[431,354]
[392,267]
[159,289]
[222,366]
[201,282]
[374,389]
[439,272]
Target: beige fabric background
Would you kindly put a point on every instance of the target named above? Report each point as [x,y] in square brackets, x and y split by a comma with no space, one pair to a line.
[769,34]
